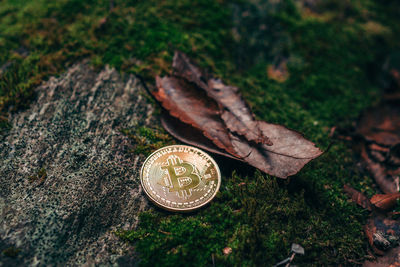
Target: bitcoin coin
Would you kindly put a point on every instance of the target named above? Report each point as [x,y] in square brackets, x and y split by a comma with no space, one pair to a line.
[180,178]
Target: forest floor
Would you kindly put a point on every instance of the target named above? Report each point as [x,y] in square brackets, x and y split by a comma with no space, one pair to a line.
[308,65]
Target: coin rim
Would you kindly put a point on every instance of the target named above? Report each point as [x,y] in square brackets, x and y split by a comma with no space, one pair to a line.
[178,209]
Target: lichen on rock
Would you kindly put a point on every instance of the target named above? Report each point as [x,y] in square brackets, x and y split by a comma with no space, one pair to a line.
[72,133]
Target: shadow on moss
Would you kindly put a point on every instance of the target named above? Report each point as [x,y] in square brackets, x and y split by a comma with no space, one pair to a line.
[257,218]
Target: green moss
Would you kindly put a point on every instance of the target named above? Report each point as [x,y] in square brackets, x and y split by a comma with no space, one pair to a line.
[181,239]
[4,125]
[333,58]
[258,219]
[148,33]
[146,140]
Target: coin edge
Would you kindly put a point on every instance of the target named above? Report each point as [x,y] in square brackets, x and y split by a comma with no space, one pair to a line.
[177,209]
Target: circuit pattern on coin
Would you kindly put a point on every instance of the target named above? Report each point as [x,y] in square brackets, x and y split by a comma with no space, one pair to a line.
[180,178]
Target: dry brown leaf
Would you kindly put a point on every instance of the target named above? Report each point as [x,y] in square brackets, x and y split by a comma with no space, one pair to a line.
[385,202]
[193,107]
[184,68]
[235,112]
[288,154]
[195,117]
[190,135]
[381,124]
[387,180]
[383,233]
[380,128]
[269,159]
[358,197]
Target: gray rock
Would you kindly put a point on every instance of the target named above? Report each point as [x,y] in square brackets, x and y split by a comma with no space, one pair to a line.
[87,186]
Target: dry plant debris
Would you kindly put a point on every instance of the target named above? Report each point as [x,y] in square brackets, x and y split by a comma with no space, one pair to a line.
[382,230]
[379,131]
[377,139]
[205,112]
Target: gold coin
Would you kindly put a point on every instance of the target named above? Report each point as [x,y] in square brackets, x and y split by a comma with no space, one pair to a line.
[180,178]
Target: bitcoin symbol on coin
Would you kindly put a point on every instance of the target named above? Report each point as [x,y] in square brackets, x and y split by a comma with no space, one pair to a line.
[182,177]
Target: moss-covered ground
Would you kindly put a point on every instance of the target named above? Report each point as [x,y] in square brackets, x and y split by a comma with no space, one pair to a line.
[334,53]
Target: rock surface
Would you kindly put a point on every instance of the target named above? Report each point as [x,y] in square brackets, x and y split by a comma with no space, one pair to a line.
[67,181]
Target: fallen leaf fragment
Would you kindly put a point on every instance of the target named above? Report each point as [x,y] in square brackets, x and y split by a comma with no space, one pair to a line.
[391,259]
[387,181]
[235,112]
[185,69]
[289,153]
[190,135]
[378,132]
[381,124]
[191,106]
[385,202]
[211,115]
[379,128]
[383,233]
[358,197]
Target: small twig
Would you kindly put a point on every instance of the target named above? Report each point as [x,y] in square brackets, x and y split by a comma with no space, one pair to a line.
[282,262]
[290,259]
[163,232]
